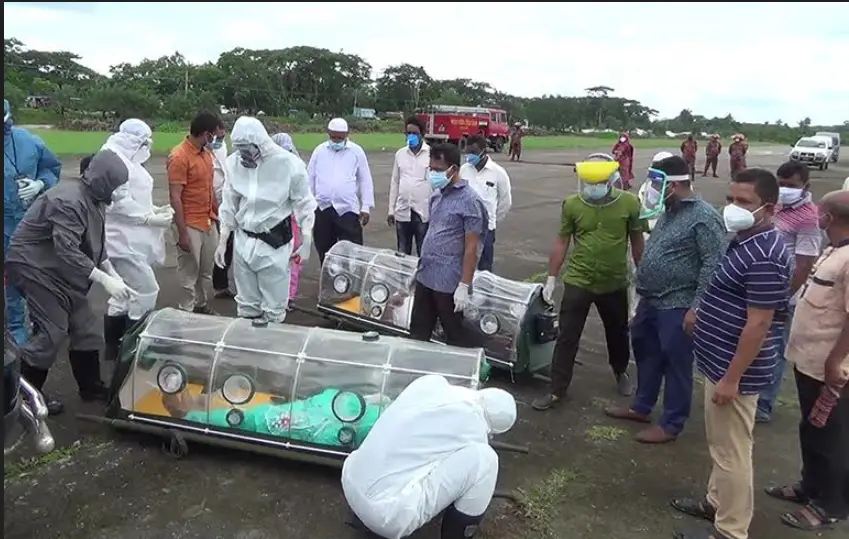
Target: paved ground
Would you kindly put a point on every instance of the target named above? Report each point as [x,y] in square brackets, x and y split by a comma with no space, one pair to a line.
[585,478]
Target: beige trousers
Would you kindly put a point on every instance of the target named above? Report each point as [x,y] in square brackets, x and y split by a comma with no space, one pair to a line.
[195,267]
[730,440]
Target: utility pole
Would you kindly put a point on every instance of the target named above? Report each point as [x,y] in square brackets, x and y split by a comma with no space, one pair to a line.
[186,83]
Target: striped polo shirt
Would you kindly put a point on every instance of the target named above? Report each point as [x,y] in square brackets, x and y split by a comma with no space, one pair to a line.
[755,271]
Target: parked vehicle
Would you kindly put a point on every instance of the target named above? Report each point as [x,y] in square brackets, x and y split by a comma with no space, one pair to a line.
[455,124]
[835,143]
[813,151]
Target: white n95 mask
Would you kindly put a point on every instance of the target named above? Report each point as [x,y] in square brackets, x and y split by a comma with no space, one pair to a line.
[738,219]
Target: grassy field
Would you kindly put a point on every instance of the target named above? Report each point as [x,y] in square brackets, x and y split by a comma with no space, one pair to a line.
[70,143]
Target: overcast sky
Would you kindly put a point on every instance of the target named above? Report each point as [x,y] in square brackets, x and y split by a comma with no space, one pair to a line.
[759,62]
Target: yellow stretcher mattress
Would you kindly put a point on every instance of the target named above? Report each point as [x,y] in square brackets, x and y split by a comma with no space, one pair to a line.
[351,305]
[151,403]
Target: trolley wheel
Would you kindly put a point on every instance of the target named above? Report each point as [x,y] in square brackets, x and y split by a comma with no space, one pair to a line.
[176,446]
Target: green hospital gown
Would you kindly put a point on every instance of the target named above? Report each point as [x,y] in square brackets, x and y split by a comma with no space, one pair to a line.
[309,420]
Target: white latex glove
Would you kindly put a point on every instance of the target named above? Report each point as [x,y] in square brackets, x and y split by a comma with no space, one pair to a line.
[28,189]
[159,219]
[167,209]
[461,297]
[110,269]
[548,289]
[220,255]
[115,287]
[302,254]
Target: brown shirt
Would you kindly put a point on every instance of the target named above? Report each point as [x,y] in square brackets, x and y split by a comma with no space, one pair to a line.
[193,169]
[821,312]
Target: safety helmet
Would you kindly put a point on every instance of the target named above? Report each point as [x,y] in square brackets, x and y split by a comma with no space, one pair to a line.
[596,175]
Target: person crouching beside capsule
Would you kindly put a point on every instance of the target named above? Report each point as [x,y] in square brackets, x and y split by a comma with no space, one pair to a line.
[429,453]
[267,187]
[135,234]
[55,254]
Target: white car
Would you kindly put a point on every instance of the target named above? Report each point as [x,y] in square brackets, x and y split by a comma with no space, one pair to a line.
[813,151]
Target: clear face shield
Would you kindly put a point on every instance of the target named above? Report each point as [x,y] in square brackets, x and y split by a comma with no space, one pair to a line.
[655,192]
[596,177]
[249,154]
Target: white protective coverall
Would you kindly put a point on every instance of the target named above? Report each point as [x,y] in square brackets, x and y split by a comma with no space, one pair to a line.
[429,449]
[135,228]
[265,185]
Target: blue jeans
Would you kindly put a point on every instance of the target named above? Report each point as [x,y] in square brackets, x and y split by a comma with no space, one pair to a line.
[409,231]
[664,354]
[15,307]
[769,395]
[488,252]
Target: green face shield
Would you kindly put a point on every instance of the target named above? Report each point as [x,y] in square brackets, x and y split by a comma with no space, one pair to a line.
[652,194]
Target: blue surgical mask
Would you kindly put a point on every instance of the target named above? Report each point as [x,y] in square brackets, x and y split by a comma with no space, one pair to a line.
[337,146]
[216,144]
[438,179]
[413,140]
[473,159]
[595,191]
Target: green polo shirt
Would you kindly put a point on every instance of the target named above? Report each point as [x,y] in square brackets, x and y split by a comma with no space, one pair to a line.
[599,259]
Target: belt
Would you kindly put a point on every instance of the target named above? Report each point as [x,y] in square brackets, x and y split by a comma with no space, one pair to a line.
[278,236]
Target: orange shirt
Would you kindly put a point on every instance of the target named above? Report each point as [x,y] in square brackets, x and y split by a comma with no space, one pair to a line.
[192,168]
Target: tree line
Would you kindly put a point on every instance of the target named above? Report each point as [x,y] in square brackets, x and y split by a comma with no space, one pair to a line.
[307,83]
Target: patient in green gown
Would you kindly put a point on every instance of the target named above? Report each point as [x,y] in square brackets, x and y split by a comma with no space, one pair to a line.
[309,420]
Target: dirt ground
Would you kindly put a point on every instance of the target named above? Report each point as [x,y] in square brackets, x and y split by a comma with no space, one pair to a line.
[585,477]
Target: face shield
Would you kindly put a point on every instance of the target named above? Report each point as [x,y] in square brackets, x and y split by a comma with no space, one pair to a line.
[249,154]
[142,155]
[596,177]
[655,192]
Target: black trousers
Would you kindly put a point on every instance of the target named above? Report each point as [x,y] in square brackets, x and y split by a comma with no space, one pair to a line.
[430,306]
[574,309]
[220,281]
[330,227]
[825,451]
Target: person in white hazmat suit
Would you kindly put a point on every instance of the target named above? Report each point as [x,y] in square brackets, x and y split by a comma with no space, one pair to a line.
[266,188]
[429,452]
[135,233]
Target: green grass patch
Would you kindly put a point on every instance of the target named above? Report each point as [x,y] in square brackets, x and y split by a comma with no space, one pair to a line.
[603,434]
[541,502]
[13,470]
[78,143]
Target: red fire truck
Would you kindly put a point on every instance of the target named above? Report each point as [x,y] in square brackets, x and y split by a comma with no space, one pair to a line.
[448,123]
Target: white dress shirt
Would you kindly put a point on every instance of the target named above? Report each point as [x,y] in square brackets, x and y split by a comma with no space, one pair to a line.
[409,188]
[341,179]
[219,175]
[493,186]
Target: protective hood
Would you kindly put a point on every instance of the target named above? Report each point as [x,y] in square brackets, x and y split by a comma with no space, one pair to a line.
[104,174]
[285,141]
[248,130]
[626,136]
[133,135]
[499,407]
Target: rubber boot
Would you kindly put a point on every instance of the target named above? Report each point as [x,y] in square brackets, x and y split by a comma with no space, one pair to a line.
[37,377]
[457,525]
[114,328]
[85,364]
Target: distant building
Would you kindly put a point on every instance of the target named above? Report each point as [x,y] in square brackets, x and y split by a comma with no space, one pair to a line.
[366,114]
